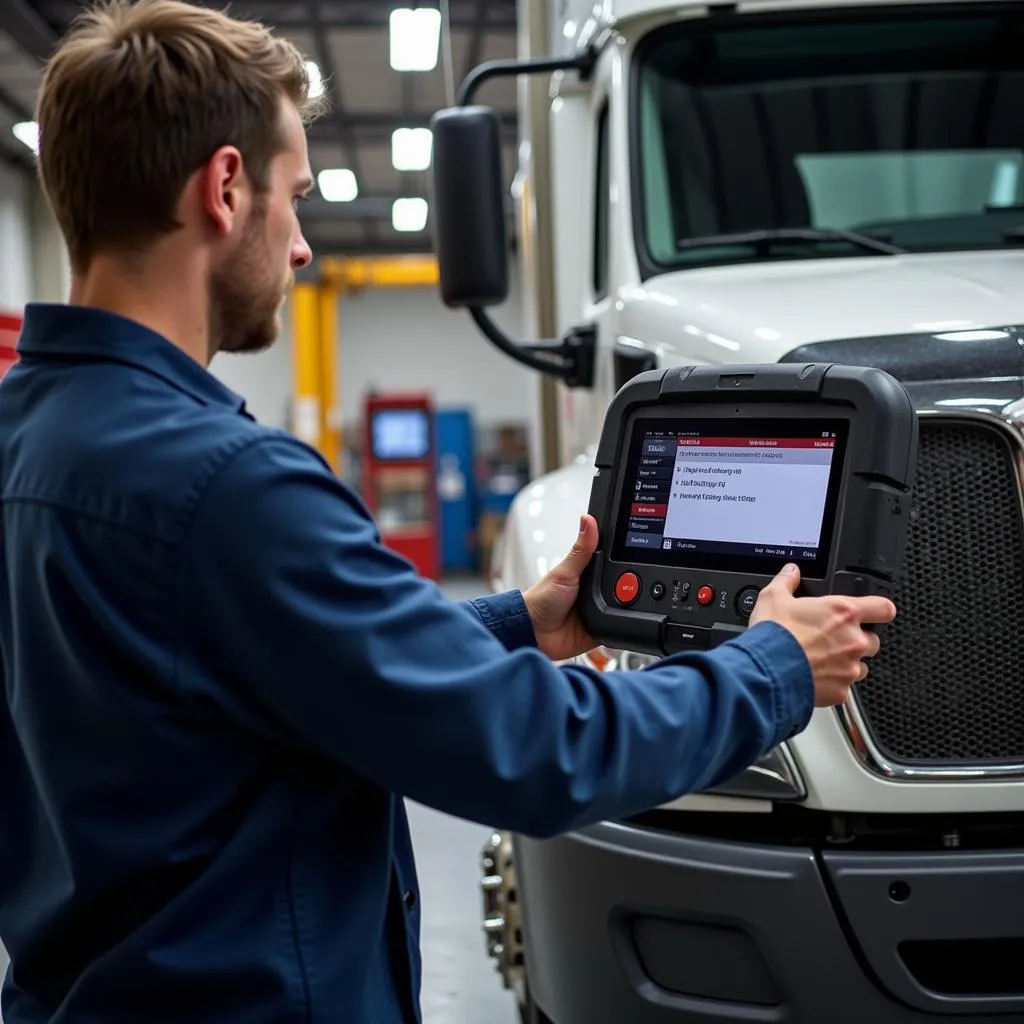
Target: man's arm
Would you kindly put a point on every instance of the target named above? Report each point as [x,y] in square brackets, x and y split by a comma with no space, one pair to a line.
[297,622]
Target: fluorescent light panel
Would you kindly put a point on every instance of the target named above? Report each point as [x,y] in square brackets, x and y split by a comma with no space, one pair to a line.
[316,80]
[338,185]
[27,133]
[409,214]
[411,149]
[415,38]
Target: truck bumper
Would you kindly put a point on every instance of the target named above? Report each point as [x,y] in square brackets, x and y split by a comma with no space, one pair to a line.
[628,924]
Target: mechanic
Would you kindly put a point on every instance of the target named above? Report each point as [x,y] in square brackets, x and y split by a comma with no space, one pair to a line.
[220,686]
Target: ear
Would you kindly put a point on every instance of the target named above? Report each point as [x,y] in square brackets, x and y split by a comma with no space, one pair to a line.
[222,189]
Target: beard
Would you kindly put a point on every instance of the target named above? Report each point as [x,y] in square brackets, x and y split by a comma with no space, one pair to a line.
[246,295]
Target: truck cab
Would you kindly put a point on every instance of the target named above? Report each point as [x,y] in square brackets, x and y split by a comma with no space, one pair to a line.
[780,181]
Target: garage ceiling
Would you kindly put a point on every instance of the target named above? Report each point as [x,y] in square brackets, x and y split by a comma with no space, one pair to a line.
[351,43]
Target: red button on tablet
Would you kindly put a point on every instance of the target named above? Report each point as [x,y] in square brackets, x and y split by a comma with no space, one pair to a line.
[705,595]
[627,588]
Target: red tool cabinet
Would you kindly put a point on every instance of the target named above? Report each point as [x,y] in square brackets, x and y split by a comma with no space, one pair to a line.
[400,476]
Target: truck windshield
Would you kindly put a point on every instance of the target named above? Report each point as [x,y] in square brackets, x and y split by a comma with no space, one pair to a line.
[780,137]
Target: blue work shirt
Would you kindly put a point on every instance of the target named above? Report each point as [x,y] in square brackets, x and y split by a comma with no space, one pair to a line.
[220,686]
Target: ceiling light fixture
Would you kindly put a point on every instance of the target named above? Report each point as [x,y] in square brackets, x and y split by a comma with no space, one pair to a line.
[27,132]
[338,185]
[409,214]
[316,80]
[415,38]
[411,149]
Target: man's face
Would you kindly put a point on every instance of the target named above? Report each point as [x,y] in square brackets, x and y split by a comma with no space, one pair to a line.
[248,289]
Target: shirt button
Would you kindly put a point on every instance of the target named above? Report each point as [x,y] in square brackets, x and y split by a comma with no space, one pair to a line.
[409,899]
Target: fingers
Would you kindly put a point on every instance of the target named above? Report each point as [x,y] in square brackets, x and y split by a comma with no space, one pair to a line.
[788,579]
[583,549]
[875,609]
[874,644]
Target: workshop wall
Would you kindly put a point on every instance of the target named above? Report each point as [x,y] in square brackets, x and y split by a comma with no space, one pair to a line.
[51,271]
[264,380]
[16,285]
[407,340]
[397,339]
[33,259]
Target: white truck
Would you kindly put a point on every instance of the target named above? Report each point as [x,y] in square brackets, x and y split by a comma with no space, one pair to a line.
[713,182]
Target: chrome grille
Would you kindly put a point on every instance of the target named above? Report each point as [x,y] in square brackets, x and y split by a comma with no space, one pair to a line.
[948,685]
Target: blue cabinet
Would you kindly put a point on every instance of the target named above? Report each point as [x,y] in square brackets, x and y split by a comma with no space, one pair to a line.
[457,490]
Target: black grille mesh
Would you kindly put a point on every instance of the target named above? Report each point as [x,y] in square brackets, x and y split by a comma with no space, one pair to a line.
[948,685]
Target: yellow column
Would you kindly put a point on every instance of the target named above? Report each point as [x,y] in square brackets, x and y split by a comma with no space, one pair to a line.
[331,418]
[315,309]
[307,413]
[317,418]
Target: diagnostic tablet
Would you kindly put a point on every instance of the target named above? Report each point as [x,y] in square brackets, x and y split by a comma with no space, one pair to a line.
[710,479]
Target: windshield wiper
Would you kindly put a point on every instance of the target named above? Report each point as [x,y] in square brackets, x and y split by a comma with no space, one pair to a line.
[764,239]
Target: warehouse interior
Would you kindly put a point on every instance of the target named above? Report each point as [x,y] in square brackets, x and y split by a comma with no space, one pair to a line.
[801,188]
[366,223]
[374,271]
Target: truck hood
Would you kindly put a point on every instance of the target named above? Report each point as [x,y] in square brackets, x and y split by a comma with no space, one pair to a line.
[759,312]
[933,317]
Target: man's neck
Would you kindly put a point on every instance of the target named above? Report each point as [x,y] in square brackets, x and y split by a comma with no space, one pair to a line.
[169,304]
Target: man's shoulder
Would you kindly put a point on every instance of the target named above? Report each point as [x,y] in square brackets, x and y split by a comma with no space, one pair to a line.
[245,457]
[146,469]
[213,456]
[220,450]
[265,476]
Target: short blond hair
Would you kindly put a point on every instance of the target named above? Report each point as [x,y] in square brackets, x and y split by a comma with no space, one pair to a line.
[137,97]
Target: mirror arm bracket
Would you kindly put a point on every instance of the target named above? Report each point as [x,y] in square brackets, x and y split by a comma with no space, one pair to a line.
[571,359]
[582,62]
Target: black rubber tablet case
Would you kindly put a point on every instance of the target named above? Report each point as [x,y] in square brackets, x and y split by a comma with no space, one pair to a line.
[872,515]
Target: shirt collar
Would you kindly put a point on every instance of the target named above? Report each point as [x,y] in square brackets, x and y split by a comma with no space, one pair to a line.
[51,329]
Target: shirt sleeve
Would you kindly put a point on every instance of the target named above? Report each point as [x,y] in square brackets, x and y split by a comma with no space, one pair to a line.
[297,623]
[505,615]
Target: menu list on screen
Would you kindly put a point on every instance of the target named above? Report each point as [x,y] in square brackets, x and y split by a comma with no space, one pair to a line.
[760,496]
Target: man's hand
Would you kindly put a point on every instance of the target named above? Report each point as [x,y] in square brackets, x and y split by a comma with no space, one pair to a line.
[551,601]
[829,629]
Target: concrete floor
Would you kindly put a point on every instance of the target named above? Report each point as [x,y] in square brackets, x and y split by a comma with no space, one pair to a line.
[459,983]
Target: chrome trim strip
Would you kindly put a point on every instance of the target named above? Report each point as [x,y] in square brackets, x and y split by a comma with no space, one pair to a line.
[774,777]
[1008,419]
[867,753]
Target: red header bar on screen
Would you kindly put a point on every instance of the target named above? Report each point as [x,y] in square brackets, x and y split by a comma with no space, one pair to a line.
[756,442]
[641,508]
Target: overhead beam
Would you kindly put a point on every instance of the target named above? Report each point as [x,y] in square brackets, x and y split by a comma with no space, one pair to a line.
[332,81]
[13,106]
[12,152]
[379,127]
[370,13]
[28,30]
[476,43]
[335,14]
[365,207]
[500,25]
[410,245]
[374,207]
[338,122]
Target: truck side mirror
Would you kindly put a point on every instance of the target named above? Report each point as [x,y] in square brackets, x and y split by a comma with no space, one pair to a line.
[469,210]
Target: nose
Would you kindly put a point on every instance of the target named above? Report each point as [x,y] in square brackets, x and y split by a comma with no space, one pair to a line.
[302,254]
